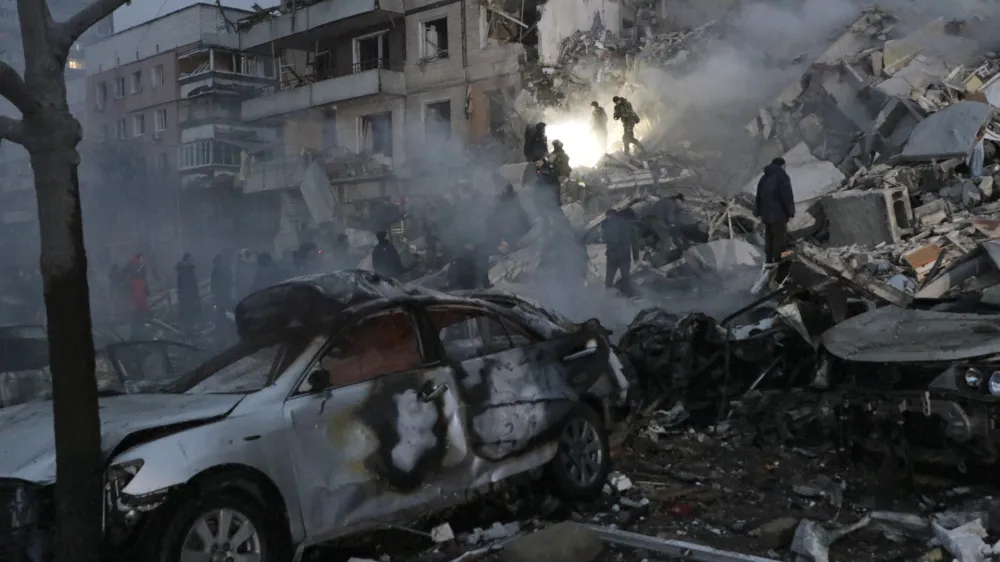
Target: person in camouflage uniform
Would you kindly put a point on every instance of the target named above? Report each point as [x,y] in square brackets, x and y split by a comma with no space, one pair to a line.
[629,119]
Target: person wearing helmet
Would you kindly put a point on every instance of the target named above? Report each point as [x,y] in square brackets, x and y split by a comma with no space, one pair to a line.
[536,144]
[599,125]
[629,119]
[560,161]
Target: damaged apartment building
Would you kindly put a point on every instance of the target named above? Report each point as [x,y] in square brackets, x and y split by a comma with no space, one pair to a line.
[163,133]
[375,95]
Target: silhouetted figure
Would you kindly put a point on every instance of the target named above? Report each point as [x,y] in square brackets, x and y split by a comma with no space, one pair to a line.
[244,274]
[622,247]
[188,295]
[268,272]
[385,258]
[775,205]
[221,283]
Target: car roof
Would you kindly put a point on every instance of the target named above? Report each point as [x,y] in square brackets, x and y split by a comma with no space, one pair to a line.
[323,299]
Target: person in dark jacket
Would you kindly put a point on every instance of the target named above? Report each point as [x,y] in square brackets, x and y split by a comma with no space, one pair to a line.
[385,257]
[536,144]
[307,259]
[509,221]
[621,248]
[775,206]
[465,269]
[268,272]
[188,295]
[221,282]
[599,125]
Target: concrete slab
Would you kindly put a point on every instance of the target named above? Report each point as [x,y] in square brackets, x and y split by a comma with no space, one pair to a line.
[562,542]
[868,217]
[811,178]
[949,133]
[722,255]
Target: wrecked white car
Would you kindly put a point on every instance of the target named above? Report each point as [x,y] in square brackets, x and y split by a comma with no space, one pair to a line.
[350,402]
[122,367]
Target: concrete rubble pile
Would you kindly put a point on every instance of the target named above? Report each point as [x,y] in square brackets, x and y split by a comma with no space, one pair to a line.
[590,59]
[880,137]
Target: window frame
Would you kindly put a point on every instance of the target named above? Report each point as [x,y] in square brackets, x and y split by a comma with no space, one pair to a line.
[135,85]
[441,54]
[497,316]
[119,87]
[138,124]
[427,358]
[156,79]
[156,120]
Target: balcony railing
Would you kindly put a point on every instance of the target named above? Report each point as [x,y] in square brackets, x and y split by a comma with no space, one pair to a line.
[295,81]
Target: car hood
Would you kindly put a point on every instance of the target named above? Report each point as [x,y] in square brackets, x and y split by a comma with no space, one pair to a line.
[893,334]
[27,441]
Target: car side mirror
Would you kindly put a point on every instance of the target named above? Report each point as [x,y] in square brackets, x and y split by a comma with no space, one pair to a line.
[318,380]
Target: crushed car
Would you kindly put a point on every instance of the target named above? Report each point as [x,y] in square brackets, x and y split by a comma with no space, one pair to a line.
[122,367]
[350,402]
[920,384]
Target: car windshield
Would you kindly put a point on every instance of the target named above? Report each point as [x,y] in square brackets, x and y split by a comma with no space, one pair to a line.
[246,367]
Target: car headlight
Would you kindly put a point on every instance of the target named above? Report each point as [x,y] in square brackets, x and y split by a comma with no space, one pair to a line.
[119,475]
[973,377]
[994,383]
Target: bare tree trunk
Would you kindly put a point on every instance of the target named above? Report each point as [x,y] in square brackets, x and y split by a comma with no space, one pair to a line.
[50,133]
[79,508]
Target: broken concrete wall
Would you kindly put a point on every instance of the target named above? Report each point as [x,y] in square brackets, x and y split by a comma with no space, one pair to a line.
[561,18]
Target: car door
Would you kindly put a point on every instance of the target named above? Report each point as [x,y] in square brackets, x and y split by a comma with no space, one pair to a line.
[375,427]
[517,386]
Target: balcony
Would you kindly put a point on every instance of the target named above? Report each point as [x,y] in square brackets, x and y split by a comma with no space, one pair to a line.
[301,27]
[341,166]
[367,79]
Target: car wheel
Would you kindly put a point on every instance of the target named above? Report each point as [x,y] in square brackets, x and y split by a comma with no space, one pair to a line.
[583,458]
[219,526]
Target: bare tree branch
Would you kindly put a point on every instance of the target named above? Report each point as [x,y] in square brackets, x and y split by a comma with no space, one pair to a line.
[11,130]
[12,87]
[70,30]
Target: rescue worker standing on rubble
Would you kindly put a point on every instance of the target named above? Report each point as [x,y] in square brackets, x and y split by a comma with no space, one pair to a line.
[385,258]
[599,125]
[629,119]
[622,248]
[775,206]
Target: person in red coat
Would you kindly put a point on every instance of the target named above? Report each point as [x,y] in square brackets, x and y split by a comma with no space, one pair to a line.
[138,293]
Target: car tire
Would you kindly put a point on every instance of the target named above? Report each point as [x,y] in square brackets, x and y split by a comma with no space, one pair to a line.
[583,458]
[178,528]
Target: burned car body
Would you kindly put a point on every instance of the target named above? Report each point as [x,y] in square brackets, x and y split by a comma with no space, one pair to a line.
[349,402]
[918,383]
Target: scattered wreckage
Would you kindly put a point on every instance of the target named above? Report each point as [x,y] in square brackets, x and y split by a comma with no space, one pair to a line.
[414,398]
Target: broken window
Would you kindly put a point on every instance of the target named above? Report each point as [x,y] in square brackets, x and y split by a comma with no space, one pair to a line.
[435,39]
[468,333]
[437,120]
[136,81]
[376,133]
[380,345]
[371,51]
[496,26]
[120,87]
